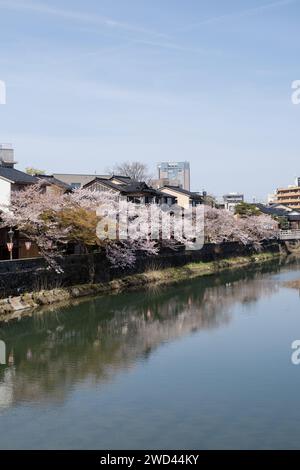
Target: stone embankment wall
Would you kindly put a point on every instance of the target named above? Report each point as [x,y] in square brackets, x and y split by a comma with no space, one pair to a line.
[32,275]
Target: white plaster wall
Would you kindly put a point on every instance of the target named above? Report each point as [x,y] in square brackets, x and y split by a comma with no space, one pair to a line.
[5,192]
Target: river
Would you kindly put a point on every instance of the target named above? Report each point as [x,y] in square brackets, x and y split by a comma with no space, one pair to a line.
[204,364]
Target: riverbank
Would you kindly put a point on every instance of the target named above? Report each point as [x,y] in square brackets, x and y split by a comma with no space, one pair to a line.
[15,307]
[293,284]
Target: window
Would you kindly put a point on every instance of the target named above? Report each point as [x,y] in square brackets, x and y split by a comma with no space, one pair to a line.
[75,185]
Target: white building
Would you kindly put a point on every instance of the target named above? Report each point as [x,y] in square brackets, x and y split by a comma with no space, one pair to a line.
[231,200]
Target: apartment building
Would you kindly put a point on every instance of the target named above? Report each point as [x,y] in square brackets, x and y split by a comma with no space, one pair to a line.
[289,197]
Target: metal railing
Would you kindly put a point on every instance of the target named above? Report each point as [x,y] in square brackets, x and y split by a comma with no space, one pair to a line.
[289,234]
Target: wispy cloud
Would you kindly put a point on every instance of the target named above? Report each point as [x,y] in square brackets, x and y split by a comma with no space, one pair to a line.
[177,47]
[146,37]
[72,15]
[236,15]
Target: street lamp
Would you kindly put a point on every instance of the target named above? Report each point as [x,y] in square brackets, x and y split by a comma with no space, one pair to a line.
[10,244]
[27,245]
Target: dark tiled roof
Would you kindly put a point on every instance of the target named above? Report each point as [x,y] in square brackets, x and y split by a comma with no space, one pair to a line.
[126,188]
[125,179]
[52,180]
[183,191]
[17,176]
[275,210]
[160,193]
[137,186]
[105,182]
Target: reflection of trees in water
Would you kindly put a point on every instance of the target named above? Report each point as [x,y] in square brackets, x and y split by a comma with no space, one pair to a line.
[95,339]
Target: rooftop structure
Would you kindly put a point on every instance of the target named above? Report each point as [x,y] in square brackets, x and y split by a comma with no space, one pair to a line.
[7,156]
[15,176]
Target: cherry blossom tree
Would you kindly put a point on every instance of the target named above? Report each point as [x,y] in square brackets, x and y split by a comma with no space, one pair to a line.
[53,221]
[27,213]
[257,228]
[121,229]
[222,226]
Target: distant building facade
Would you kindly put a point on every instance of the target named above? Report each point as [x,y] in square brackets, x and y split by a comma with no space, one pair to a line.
[231,200]
[289,197]
[77,181]
[174,174]
[271,198]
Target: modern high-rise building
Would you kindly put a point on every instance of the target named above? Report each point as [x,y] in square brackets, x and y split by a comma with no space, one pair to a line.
[174,174]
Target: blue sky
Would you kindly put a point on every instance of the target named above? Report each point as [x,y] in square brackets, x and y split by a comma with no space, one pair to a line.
[96,82]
